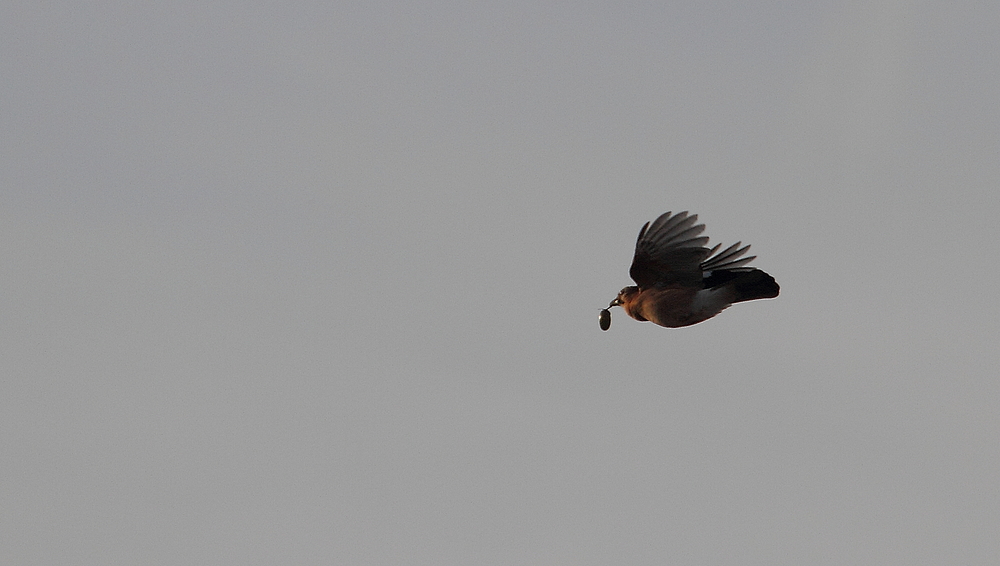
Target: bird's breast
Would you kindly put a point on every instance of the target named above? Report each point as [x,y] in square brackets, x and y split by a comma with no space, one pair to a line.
[670,307]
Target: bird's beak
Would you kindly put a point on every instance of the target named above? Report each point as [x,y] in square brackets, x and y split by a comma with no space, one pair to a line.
[616,303]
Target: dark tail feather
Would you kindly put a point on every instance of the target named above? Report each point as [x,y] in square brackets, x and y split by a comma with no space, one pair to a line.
[747,285]
[755,285]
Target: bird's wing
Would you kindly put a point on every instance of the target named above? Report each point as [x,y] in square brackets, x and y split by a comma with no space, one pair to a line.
[728,258]
[669,251]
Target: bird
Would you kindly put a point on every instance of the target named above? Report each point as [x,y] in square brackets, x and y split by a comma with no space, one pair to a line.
[680,282]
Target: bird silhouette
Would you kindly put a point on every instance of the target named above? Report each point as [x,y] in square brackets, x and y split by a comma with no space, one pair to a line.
[680,282]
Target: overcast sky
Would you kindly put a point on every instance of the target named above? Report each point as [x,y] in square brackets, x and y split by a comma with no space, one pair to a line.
[318,283]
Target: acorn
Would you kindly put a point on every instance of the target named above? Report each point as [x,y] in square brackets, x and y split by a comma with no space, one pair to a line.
[605,319]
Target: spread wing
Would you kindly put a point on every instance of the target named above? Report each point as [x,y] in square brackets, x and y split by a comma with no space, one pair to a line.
[671,252]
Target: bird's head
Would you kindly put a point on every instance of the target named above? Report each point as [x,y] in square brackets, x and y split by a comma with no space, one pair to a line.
[624,296]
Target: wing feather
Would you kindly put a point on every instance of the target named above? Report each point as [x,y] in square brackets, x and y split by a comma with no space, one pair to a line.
[728,258]
[670,251]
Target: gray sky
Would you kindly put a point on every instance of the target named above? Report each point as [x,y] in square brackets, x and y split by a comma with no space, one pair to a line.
[318,283]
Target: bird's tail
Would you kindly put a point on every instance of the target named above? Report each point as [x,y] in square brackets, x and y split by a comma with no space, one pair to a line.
[754,285]
[745,284]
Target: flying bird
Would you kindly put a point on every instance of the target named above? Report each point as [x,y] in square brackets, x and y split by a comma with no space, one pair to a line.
[680,282]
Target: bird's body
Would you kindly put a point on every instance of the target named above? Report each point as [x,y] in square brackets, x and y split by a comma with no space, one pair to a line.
[679,282]
[671,307]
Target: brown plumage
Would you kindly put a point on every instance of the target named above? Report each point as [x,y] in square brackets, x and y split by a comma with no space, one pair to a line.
[679,282]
